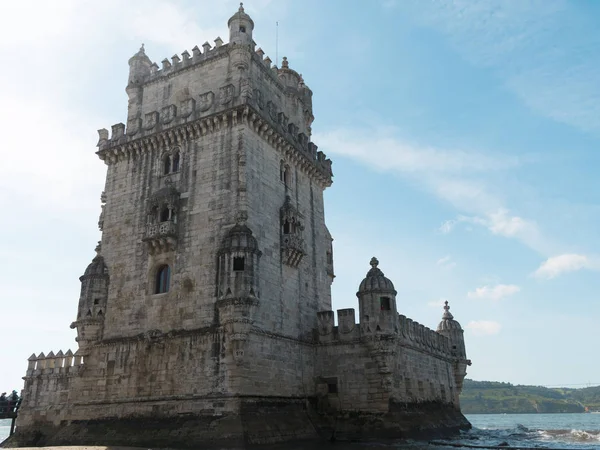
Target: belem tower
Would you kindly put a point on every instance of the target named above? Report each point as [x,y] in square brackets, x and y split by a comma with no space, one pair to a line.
[205,317]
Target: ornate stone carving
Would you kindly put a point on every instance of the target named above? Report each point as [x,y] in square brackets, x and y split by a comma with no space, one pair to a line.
[226,94]
[168,113]
[206,100]
[133,126]
[186,107]
[292,243]
[272,109]
[259,99]
[150,120]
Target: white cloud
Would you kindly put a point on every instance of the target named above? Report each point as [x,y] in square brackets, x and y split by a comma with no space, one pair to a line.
[446,262]
[396,154]
[557,265]
[483,327]
[494,292]
[502,223]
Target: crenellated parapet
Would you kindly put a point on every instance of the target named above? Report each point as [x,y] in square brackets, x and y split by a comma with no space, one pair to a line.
[409,333]
[54,364]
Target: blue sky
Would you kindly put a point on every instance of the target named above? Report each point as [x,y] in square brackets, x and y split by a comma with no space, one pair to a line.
[464,138]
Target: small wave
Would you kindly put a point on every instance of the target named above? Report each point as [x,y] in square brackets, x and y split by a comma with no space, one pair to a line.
[569,435]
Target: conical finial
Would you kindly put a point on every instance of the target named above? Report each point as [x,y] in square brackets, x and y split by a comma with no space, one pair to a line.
[142,48]
[374,262]
[285,63]
[447,314]
[241,7]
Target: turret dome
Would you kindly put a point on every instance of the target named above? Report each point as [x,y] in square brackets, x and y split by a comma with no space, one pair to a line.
[448,323]
[239,238]
[375,281]
[96,268]
[241,16]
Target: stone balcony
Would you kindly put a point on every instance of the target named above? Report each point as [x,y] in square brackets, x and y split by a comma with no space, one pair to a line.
[161,237]
[292,249]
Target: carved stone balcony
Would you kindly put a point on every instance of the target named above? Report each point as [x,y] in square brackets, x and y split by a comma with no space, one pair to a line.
[161,237]
[292,249]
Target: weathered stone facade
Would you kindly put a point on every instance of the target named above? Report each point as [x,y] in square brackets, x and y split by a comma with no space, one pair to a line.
[206,315]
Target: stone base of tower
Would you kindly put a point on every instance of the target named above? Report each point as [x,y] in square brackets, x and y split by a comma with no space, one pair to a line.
[249,422]
[256,422]
[408,420]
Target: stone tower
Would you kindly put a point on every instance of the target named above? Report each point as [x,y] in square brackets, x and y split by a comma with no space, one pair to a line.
[215,139]
[205,317]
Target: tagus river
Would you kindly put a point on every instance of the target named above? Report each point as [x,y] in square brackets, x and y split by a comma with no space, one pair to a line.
[565,431]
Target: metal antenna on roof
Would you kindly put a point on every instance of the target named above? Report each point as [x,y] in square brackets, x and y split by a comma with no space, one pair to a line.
[277,44]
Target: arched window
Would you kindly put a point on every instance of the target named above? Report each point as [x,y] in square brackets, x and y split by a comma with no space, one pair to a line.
[176,162]
[287,229]
[163,279]
[167,165]
[287,176]
[164,214]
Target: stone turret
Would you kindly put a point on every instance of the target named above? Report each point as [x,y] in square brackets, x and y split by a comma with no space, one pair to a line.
[92,301]
[240,28]
[377,302]
[139,67]
[238,286]
[453,331]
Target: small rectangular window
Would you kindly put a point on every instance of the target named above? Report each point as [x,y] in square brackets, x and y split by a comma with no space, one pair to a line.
[238,263]
[242,29]
[332,385]
[385,303]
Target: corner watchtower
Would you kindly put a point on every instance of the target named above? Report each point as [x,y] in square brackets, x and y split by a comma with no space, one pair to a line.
[240,28]
[377,302]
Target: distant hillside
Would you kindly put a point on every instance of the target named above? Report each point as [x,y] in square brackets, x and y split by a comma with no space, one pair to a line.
[488,397]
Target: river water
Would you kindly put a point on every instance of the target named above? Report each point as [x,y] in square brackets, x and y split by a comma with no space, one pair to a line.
[554,431]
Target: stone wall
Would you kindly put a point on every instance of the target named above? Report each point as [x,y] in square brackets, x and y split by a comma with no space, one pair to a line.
[413,365]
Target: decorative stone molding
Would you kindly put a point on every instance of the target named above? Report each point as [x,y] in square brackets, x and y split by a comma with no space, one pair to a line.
[318,169]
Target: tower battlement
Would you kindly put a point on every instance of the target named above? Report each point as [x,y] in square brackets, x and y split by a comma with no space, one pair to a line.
[195,94]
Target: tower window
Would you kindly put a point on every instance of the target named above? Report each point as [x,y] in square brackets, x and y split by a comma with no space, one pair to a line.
[385,303]
[165,214]
[285,174]
[287,228]
[332,387]
[242,29]
[167,165]
[176,162]
[163,279]
[238,264]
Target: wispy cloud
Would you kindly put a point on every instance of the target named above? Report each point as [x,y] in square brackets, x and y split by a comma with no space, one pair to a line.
[557,265]
[496,292]
[446,262]
[511,38]
[483,327]
[502,223]
[458,177]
